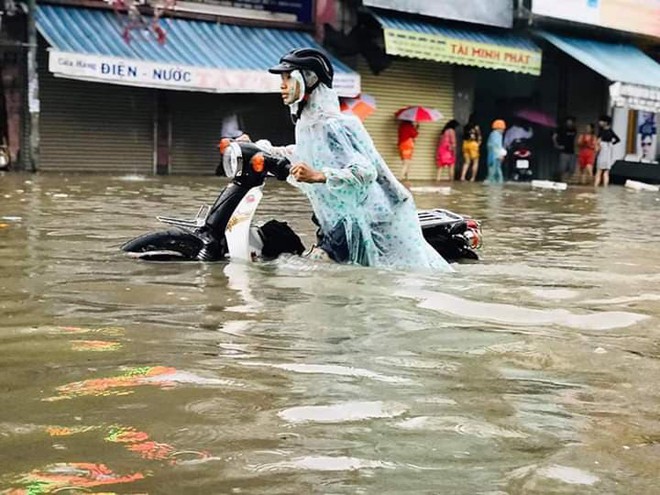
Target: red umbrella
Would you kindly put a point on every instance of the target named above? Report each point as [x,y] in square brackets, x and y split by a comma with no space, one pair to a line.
[536,117]
[361,106]
[418,114]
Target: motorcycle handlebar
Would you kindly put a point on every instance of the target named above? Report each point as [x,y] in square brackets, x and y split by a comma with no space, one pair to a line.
[275,165]
[280,168]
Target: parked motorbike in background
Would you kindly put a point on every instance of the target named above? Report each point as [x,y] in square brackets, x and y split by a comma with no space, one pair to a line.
[520,160]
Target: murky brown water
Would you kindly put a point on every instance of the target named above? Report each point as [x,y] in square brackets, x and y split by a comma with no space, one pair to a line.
[532,372]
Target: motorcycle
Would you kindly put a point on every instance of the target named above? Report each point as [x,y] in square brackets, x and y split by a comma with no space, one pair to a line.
[225,230]
[520,161]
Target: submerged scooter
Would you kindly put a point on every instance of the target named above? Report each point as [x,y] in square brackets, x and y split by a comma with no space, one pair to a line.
[225,231]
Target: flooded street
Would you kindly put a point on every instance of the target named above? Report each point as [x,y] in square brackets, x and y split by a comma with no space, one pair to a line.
[532,372]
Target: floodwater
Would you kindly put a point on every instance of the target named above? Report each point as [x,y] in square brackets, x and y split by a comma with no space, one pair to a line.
[535,371]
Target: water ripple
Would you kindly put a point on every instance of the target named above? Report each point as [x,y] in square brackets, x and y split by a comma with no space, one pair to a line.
[338,413]
[507,314]
[568,475]
[460,425]
[324,463]
[329,369]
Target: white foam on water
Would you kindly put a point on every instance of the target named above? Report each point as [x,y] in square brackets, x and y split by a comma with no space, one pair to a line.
[236,327]
[547,184]
[572,476]
[431,189]
[134,178]
[326,463]
[329,369]
[508,314]
[339,413]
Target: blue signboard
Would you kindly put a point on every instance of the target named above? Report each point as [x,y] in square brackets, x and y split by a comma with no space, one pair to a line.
[302,9]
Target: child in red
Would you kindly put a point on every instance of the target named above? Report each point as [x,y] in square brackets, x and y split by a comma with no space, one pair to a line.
[587,153]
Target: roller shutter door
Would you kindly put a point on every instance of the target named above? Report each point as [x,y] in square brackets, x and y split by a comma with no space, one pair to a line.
[409,82]
[197,125]
[95,127]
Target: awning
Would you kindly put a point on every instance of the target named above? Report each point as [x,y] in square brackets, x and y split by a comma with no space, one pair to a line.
[636,76]
[485,48]
[197,56]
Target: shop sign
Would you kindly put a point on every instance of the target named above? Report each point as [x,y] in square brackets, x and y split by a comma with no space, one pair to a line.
[490,12]
[130,72]
[635,16]
[635,97]
[458,51]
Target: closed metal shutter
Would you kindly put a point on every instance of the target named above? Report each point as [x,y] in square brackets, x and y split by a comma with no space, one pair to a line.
[197,125]
[95,127]
[409,82]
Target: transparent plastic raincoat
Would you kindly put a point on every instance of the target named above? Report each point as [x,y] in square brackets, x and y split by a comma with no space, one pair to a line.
[361,197]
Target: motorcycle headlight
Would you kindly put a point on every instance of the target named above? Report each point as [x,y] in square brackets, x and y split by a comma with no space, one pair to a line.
[232,160]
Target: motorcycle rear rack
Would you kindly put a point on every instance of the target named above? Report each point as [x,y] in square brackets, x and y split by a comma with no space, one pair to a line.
[433,218]
[195,223]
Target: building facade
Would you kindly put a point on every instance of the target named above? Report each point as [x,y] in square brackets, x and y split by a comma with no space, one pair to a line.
[113,99]
[438,55]
[603,68]
[144,104]
[497,58]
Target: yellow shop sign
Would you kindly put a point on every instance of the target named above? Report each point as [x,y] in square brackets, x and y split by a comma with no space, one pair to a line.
[458,51]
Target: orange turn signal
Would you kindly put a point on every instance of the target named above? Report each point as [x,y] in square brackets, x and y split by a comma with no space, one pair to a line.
[258,162]
[224,144]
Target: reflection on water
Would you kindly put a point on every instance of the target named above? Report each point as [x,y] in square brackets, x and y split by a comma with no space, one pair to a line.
[533,372]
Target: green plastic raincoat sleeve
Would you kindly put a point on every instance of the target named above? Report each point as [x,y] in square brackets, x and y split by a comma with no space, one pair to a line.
[355,172]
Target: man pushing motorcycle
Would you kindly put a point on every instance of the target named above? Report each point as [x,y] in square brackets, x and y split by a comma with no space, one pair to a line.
[365,215]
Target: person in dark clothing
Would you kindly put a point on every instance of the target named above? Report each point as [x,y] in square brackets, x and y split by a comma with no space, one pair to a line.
[564,139]
[607,139]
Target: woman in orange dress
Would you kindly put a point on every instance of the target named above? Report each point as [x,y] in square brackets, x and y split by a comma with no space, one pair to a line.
[587,153]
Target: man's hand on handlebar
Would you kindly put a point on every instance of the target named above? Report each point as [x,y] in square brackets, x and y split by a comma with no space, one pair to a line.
[304,173]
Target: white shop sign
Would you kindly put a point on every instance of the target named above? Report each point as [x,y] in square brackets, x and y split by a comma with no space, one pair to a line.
[636,97]
[130,72]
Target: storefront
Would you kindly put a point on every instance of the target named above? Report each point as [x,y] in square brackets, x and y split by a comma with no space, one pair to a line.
[145,107]
[408,81]
[94,127]
[626,85]
[436,64]
[196,121]
[606,73]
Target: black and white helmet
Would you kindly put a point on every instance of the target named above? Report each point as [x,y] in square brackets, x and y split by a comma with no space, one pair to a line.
[309,59]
